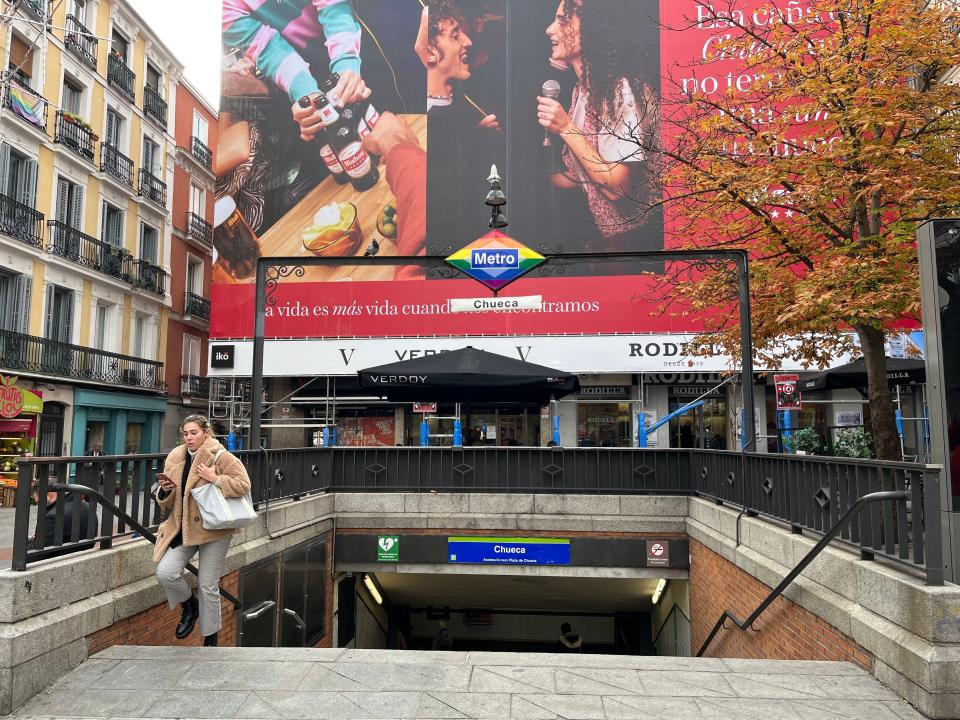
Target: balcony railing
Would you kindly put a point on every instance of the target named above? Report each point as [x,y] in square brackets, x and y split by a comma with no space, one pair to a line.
[37,8]
[153,188]
[25,103]
[154,106]
[115,163]
[196,306]
[199,229]
[150,277]
[21,221]
[201,152]
[80,41]
[73,245]
[194,386]
[77,137]
[28,353]
[120,76]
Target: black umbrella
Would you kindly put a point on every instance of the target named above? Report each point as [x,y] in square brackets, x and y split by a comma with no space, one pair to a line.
[468,375]
[900,371]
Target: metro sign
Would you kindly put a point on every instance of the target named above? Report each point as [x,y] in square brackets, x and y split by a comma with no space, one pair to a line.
[495,260]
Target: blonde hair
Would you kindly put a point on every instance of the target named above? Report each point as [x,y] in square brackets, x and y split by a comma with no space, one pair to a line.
[201,421]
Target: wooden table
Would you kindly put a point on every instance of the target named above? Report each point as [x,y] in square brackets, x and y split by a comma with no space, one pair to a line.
[284,238]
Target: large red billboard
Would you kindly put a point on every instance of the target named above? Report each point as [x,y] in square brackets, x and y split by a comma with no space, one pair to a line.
[352,127]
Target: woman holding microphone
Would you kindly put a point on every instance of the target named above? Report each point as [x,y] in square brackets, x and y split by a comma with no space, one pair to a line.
[201,459]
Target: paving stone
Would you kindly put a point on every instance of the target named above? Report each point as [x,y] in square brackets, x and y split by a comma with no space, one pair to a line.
[635,707]
[579,707]
[93,703]
[221,675]
[477,704]
[198,704]
[312,706]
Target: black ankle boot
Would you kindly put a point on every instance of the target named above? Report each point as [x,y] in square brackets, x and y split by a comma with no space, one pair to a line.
[210,640]
[188,618]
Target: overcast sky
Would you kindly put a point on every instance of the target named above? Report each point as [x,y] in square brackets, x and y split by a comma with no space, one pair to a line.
[191,29]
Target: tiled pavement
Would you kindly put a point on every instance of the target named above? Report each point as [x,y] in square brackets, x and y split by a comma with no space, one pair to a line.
[166,682]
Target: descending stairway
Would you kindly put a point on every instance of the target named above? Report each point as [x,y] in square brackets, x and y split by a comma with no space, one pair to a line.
[168,682]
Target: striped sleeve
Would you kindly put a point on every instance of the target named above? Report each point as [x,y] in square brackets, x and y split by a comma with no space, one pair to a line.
[267,48]
[342,33]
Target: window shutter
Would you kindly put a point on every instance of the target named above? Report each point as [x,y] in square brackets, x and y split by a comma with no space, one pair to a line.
[27,190]
[4,167]
[111,128]
[22,295]
[77,209]
[104,230]
[63,196]
[48,321]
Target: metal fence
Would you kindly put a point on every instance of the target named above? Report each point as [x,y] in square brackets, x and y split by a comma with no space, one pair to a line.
[808,493]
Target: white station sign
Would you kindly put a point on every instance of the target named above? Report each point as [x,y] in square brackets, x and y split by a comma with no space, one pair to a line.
[496,304]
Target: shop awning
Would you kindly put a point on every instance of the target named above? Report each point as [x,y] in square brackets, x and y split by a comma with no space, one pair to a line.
[468,375]
[900,371]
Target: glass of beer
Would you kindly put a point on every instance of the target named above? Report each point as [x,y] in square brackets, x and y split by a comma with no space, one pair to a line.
[233,239]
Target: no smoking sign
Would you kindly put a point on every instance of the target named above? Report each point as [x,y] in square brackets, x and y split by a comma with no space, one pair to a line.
[658,553]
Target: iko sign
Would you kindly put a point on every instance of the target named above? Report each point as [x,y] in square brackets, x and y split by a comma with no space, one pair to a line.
[388,548]
[495,260]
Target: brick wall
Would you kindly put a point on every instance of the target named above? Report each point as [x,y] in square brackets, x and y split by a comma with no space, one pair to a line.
[157,625]
[785,631]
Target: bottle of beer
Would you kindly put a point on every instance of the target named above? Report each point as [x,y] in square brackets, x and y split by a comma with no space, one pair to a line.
[337,171]
[329,115]
[346,142]
[366,114]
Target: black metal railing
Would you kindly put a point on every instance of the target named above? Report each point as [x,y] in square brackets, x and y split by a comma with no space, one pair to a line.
[199,229]
[194,386]
[201,152]
[154,105]
[28,353]
[150,277]
[73,245]
[76,135]
[80,41]
[121,76]
[37,8]
[115,163]
[196,306]
[21,221]
[25,103]
[153,188]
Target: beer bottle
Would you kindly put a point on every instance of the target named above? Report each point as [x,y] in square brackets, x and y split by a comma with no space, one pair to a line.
[330,159]
[329,116]
[346,142]
[328,113]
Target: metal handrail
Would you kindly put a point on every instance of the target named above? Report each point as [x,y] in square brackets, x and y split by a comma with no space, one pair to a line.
[861,503]
[144,532]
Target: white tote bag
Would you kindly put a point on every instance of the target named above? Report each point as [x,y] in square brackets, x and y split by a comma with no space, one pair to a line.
[222,513]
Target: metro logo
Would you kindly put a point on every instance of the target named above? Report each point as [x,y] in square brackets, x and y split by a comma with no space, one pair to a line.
[495,260]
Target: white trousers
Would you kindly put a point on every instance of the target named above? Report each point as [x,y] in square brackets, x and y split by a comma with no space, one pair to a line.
[209,571]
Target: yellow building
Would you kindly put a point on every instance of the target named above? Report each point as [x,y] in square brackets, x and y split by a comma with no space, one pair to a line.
[86,159]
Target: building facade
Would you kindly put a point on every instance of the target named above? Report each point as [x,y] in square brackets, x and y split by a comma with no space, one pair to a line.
[86,163]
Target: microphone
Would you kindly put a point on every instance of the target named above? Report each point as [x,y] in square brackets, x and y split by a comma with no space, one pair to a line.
[550,90]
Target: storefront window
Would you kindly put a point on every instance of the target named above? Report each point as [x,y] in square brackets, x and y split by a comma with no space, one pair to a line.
[96,433]
[134,436]
[603,425]
[704,426]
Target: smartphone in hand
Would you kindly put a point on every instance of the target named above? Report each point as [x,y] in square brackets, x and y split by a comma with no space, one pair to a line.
[165,482]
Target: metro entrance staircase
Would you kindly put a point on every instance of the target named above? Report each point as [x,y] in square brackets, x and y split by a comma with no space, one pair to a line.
[168,682]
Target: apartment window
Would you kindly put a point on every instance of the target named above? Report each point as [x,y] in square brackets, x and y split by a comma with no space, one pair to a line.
[191,355]
[21,60]
[153,78]
[149,244]
[151,157]
[111,228]
[78,8]
[139,330]
[101,328]
[119,46]
[200,127]
[69,203]
[114,131]
[59,312]
[198,200]
[72,97]
[15,294]
[18,176]
[194,276]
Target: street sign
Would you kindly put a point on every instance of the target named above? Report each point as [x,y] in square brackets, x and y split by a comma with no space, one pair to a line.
[505,304]
[788,393]
[508,551]
[388,548]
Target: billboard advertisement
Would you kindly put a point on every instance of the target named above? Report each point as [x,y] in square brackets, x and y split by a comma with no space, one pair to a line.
[362,127]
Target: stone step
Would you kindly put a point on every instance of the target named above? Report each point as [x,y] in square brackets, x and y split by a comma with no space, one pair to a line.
[306,683]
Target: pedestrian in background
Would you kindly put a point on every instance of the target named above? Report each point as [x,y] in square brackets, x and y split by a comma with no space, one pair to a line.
[201,459]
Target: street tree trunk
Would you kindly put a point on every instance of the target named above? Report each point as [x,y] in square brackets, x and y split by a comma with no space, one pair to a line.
[883,424]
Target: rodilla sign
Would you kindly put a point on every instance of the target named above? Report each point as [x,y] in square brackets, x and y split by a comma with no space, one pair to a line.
[508,551]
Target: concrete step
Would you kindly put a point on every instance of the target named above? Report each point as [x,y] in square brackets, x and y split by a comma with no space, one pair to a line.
[168,682]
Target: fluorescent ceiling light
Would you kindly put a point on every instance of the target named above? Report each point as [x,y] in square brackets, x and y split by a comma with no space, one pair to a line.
[374,592]
[658,591]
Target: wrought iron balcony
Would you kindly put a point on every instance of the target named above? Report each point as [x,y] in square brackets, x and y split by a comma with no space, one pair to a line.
[37,8]
[150,277]
[196,306]
[70,243]
[31,354]
[154,106]
[120,76]
[75,134]
[201,152]
[194,386]
[153,188]
[80,41]
[26,103]
[115,163]
[199,229]
[21,221]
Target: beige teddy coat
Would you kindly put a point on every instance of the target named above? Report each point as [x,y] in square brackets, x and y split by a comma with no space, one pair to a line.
[184,515]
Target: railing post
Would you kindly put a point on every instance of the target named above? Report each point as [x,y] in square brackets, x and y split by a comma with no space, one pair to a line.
[932,522]
[21,527]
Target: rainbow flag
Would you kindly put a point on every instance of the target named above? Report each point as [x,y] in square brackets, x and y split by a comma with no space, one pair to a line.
[27,105]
